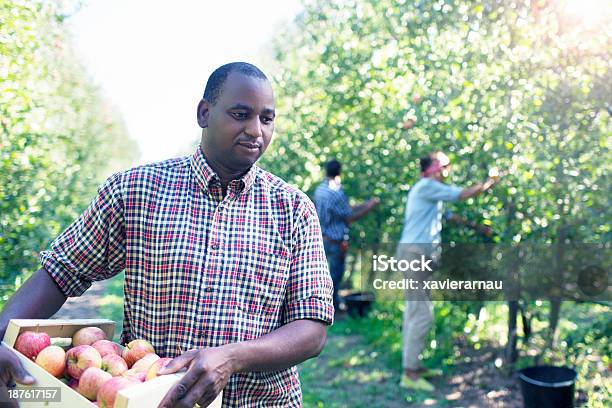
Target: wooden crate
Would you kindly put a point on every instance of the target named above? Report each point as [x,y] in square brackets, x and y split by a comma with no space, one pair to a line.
[145,395]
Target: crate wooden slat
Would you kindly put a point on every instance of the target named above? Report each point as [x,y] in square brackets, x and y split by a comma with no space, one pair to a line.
[150,393]
[55,328]
[68,396]
[145,395]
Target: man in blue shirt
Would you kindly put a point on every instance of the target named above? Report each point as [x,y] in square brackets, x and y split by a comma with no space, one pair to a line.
[335,215]
[421,236]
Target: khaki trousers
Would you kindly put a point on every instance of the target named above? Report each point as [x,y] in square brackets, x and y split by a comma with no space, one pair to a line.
[418,316]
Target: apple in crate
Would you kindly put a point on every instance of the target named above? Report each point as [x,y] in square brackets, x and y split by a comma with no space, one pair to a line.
[114,365]
[105,347]
[88,336]
[144,363]
[53,360]
[80,358]
[135,350]
[30,343]
[90,382]
[156,366]
[135,375]
[108,392]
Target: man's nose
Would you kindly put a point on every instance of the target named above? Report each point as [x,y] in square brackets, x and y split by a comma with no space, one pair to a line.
[253,128]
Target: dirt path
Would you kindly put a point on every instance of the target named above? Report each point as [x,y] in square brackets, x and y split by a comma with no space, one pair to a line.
[350,373]
[85,306]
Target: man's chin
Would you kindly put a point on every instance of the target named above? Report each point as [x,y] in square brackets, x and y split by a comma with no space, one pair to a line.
[244,163]
[245,158]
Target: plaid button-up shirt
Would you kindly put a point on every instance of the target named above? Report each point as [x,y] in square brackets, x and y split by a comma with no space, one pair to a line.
[333,209]
[201,269]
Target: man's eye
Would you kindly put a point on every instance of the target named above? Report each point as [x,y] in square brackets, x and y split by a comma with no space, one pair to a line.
[240,115]
[267,120]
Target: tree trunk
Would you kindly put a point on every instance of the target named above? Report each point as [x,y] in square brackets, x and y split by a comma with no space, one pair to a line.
[555,301]
[553,321]
[526,320]
[511,351]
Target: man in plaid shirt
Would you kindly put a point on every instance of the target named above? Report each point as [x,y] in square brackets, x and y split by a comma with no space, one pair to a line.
[335,214]
[224,262]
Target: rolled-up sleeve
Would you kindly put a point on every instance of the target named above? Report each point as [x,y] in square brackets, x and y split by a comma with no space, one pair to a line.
[309,288]
[93,247]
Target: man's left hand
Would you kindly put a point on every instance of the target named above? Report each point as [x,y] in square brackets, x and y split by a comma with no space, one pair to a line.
[208,371]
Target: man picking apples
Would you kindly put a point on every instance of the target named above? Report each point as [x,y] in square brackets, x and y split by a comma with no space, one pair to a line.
[421,238]
[224,262]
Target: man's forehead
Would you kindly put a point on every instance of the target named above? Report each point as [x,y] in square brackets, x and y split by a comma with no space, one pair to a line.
[245,89]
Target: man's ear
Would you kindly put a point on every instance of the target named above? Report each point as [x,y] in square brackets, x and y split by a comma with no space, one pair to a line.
[202,113]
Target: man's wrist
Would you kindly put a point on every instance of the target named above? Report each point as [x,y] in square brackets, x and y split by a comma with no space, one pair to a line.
[487,185]
[234,357]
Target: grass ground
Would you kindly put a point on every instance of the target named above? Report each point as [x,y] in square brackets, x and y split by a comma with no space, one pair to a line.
[360,369]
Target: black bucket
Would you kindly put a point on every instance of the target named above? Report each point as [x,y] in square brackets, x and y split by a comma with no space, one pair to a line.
[547,386]
[358,304]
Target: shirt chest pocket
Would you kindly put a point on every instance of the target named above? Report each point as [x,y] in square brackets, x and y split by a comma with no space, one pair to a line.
[261,275]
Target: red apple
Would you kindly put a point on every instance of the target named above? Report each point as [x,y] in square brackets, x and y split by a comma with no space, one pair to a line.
[30,343]
[53,360]
[80,358]
[135,375]
[156,366]
[108,392]
[90,382]
[114,364]
[105,347]
[144,363]
[88,336]
[135,350]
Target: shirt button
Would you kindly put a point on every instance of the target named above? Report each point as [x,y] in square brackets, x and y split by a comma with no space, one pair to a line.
[208,289]
[215,246]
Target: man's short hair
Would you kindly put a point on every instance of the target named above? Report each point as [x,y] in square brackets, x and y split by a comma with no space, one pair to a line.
[217,78]
[332,168]
[425,162]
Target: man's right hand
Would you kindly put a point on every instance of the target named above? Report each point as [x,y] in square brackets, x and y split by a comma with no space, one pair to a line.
[373,202]
[491,182]
[11,371]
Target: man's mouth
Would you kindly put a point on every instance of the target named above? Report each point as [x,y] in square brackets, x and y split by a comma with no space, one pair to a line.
[250,145]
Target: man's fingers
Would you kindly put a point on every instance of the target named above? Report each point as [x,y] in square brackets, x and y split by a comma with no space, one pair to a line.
[182,388]
[204,401]
[19,373]
[5,401]
[178,363]
[201,388]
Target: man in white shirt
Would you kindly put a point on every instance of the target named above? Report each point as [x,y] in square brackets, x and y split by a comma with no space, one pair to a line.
[421,236]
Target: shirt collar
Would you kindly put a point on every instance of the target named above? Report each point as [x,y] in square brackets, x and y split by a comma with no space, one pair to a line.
[333,185]
[205,176]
